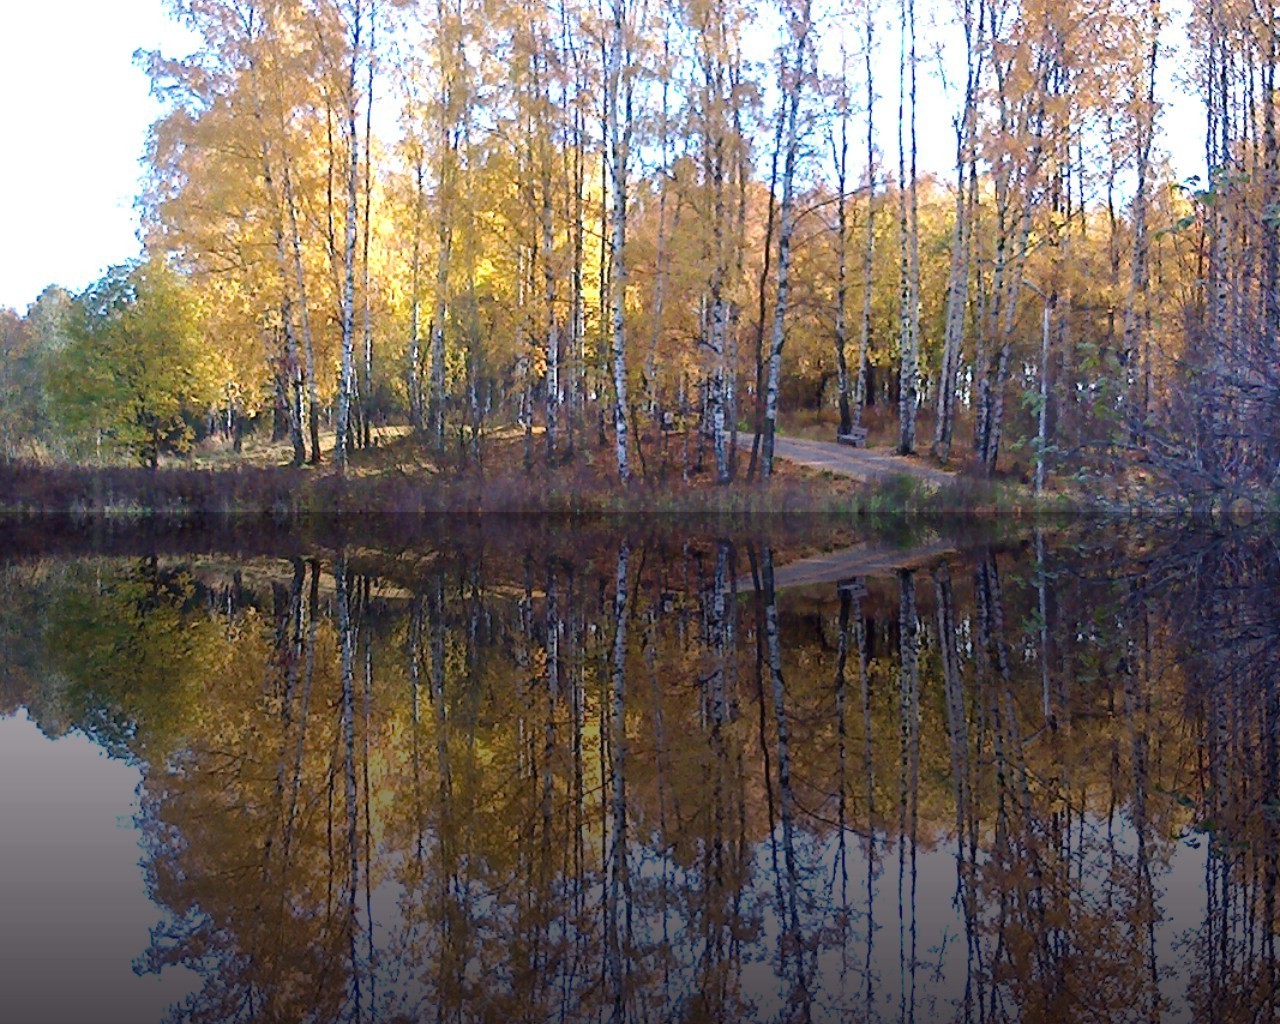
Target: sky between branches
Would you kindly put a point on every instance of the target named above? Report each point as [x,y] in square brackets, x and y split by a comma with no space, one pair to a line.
[77,109]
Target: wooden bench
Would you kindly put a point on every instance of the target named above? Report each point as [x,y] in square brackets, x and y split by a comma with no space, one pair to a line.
[857,437]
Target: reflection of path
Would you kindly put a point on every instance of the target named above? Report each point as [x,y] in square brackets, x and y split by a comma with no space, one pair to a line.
[860,463]
[860,560]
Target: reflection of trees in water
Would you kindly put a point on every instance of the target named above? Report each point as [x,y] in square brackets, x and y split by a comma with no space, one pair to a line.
[1234,703]
[631,792]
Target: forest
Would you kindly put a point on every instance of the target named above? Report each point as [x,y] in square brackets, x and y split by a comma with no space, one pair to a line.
[585,224]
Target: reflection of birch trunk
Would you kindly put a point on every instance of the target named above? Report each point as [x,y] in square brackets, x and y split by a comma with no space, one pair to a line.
[1042,605]
[842,657]
[1016,852]
[452,938]
[308,674]
[716,930]
[793,953]
[293,666]
[618,909]
[961,782]
[578,708]
[909,784]
[347,711]
[544,875]
[416,617]
[1135,709]
[366,716]
[869,777]
[1270,855]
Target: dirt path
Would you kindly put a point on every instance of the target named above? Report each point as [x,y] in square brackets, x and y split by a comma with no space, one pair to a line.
[859,560]
[868,465]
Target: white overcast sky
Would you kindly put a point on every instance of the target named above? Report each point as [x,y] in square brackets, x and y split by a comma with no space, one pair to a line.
[73,118]
[75,112]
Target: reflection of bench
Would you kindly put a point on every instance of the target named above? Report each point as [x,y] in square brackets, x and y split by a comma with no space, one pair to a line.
[855,587]
[857,436]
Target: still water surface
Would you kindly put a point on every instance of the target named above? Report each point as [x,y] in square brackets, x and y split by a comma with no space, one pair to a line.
[1038,784]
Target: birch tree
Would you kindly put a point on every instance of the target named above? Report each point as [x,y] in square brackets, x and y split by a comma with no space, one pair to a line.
[973,21]
[618,128]
[794,63]
[908,234]
[354,14]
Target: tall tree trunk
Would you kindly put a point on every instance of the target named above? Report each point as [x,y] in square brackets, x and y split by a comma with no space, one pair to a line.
[416,410]
[661,258]
[1270,185]
[366,391]
[445,198]
[762,291]
[793,89]
[840,162]
[909,237]
[300,280]
[347,370]
[1136,306]
[962,238]
[869,241]
[716,320]
[618,116]
[552,352]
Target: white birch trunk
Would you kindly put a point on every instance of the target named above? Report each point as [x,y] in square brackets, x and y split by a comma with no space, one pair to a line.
[618,116]
[793,87]
[347,375]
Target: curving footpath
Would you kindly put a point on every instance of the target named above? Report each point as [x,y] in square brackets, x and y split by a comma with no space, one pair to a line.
[868,465]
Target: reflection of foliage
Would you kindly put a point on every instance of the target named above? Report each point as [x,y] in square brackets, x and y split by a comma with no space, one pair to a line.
[135,651]
[432,829]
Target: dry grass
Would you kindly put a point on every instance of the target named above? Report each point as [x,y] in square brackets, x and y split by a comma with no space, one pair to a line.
[398,495]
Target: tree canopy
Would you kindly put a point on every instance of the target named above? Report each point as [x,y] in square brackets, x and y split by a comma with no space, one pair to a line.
[595,221]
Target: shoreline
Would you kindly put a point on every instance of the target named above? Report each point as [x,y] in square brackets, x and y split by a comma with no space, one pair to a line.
[51,506]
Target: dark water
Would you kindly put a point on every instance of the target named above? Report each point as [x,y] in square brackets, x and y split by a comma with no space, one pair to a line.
[1034,785]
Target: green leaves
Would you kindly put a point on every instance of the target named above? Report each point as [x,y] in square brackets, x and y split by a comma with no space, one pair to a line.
[135,371]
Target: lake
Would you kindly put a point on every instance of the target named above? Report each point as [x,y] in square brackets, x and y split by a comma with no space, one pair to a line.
[640,782]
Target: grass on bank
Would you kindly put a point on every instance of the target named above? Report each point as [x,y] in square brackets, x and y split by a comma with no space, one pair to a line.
[397,493]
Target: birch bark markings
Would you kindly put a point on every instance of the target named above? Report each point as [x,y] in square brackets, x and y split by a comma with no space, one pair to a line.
[449,102]
[416,405]
[795,62]
[840,166]
[546,218]
[1137,313]
[869,241]
[487,134]
[718,142]
[351,100]
[300,280]
[290,372]
[618,127]
[962,239]
[366,291]
[908,235]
